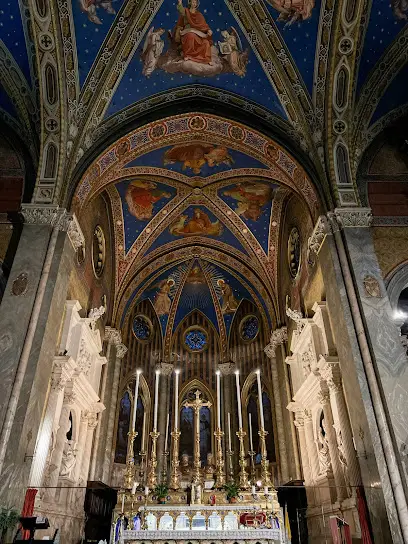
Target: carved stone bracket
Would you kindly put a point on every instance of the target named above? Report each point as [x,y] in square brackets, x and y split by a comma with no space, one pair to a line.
[315,242]
[353,217]
[54,216]
[278,337]
[75,234]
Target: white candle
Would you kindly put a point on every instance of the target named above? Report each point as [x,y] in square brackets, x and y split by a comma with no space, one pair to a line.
[135,400]
[123,503]
[146,491]
[176,394]
[266,490]
[167,433]
[238,399]
[156,400]
[143,432]
[253,490]
[250,432]
[229,432]
[218,373]
[261,414]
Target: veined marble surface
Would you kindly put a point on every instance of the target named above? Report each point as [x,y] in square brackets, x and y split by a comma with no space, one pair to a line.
[246,535]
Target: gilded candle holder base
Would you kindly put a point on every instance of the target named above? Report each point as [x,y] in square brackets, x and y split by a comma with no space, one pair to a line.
[243,475]
[220,474]
[142,468]
[130,461]
[152,476]
[165,455]
[265,476]
[253,472]
[174,472]
[230,455]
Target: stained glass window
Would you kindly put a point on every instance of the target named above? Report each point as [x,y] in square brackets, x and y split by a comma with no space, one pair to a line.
[249,328]
[196,339]
[142,328]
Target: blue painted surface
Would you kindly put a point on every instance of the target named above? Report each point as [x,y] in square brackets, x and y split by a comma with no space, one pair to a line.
[300,38]
[12,34]
[382,29]
[254,85]
[6,104]
[394,96]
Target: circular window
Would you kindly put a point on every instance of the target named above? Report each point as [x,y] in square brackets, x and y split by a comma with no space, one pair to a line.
[294,252]
[142,328]
[98,251]
[195,339]
[249,328]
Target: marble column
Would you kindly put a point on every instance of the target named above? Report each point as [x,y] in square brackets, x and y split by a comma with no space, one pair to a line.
[166,370]
[86,458]
[121,351]
[30,317]
[338,476]
[81,446]
[311,446]
[307,471]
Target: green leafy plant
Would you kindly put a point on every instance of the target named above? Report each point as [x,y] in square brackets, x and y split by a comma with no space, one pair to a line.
[232,490]
[8,520]
[161,491]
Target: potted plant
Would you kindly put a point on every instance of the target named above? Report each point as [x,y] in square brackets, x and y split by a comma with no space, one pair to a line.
[232,490]
[161,491]
[8,520]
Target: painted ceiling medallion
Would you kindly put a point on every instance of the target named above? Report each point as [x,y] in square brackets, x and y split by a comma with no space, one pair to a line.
[294,252]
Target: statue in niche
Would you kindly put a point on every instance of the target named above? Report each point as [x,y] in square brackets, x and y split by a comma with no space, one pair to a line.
[68,459]
[324,454]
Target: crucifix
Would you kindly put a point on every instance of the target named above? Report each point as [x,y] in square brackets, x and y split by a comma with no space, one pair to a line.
[196,405]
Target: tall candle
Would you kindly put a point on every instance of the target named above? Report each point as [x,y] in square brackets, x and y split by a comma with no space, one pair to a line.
[143,432]
[229,432]
[238,399]
[250,432]
[218,373]
[135,399]
[261,414]
[167,433]
[156,399]
[176,394]
[123,502]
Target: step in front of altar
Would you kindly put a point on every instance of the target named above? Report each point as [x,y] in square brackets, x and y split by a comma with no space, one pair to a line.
[244,536]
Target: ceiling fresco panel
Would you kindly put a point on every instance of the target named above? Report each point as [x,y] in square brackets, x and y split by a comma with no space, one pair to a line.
[298,23]
[219,57]
[395,95]
[387,19]
[12,34]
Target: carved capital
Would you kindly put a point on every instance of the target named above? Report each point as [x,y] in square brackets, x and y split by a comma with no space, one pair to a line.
[315,242]
[324,398]
[92,420]
[334,385]
[113,336]
[54,216]
[69,397]
[121,350]
[307,416]
[75,234]
[353,217]
[226,369]
[278,336]
[165,368]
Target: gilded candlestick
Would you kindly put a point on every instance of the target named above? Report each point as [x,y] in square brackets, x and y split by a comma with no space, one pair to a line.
[253,473]
[243,475]
[130,460]
[174,473]
[220,473]
[152,476]
[165,455]
[265,477]
[230,455]
[142,468]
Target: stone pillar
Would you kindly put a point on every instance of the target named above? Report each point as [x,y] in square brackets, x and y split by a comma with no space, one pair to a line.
[121,351]
[96,461]
[30,317]
[332,441]
[307,471]
[86,458]
[81,446]
[166,370]
[311,446]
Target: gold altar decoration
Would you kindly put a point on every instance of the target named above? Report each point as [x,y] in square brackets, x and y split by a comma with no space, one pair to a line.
[243,475]
[265,477]
[130,460]
[230,455]
[174,473]
[220,474]
[152,476]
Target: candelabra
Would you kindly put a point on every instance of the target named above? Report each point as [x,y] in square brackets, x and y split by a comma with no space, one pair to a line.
[130,460]
[174,474]
[142,468]
[220,474]
[253,473]
[230,455]
[265,477]
[152,477]
[165,455]
[243,475]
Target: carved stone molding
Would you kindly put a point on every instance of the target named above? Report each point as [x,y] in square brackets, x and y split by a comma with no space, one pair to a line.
[63,369]
[70,397]
[54,216]
[165,368]
[315,242]
[75,234]
[227,369]
[323,398]
[113,336]
[278,337]
[353,217]
[121,350]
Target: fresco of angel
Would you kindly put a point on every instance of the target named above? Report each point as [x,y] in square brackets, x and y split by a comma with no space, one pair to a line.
[192,49]
[400,9]
[195,156]
[250,198]
[229,303]
[199,224]
[140,197]
[152,49]
[90,6]
[292,11]
[162,300]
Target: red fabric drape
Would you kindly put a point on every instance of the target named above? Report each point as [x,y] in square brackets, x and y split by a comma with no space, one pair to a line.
[28,508]
[363,517]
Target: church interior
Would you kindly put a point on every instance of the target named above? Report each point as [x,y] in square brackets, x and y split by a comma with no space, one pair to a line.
[204,271]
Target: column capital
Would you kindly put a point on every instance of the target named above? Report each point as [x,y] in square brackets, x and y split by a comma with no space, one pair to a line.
[352,217]
[121,350]
[92,420]
[315,242]
[69,398]
[324,398]
[278,336]
[165,368]
[54,216]
[226,369]
[113,336]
